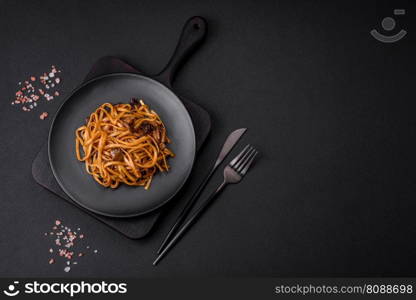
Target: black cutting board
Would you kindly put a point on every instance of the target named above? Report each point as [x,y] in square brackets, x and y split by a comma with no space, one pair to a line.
[135,227]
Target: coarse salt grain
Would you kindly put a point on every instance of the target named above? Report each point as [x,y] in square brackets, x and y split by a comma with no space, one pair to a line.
[66,242]
[43,116]
[31,89]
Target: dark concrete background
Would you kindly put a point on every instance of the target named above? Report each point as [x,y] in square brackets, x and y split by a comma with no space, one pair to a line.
[331,109]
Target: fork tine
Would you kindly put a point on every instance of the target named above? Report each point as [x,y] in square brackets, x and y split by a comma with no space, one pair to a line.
[237,158]
[244,161]
[244,158]
[247,165]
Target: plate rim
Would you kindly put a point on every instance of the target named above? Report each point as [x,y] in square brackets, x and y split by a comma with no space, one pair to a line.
[57,177]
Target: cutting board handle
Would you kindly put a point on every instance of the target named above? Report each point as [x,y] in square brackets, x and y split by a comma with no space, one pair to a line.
[192,35]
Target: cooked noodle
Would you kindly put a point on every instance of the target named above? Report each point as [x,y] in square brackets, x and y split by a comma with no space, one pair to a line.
[123,143]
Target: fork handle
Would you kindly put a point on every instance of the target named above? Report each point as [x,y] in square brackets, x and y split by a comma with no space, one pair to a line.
[205,204]
[188,206]
[190,222]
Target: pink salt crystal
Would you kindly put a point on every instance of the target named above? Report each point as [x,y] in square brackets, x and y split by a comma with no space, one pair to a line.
[43,115]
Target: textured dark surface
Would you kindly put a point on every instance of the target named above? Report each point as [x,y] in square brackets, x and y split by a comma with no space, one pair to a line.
[331,109]
[132,227]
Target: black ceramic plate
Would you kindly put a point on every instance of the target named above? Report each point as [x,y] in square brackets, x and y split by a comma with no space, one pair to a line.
[125,201]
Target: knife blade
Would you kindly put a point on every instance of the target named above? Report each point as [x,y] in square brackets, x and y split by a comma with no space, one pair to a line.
[229,143]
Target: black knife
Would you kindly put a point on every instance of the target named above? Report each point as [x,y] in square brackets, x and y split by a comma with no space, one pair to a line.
[230,142]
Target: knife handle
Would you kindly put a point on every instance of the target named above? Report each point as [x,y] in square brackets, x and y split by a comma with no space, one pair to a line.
[188,206]
[199,211]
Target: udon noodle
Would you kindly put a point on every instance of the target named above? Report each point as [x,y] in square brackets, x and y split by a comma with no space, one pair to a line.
[123,143]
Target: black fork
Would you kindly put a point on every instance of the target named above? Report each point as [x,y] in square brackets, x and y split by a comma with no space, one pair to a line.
[233,173]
